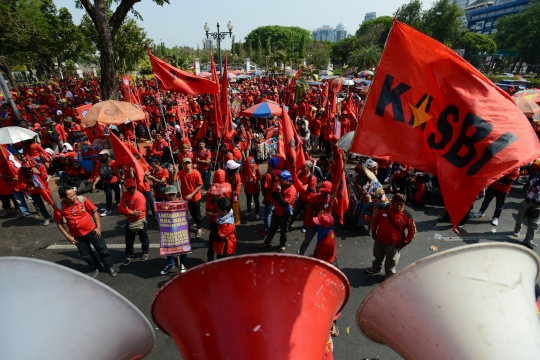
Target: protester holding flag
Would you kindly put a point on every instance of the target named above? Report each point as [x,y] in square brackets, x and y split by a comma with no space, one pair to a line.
[307,179]
[190,187]
[202,158]
[35,176]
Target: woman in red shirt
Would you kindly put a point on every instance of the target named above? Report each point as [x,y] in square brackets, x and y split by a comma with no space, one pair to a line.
[251,177]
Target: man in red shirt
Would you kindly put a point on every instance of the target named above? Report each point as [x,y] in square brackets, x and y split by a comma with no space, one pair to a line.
[133,206]
[307,179]
[160,177]
[190,187]
[107,171]
[392,228]
[203,158]
[326,239]
[498,190]
[84,229]
[284,195]
[267,187]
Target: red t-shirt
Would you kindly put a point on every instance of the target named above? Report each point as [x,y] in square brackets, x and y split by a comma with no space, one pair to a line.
[189,182]
[130,202]
[289,195]
[326,248]
[202,155]
[78,219]
[162,173]
[504,184]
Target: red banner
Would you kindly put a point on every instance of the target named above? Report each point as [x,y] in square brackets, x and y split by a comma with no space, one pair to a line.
[270,132]
[289,144]
[339,187]
[430,109]
[173,79]
[124,156]
[82,110]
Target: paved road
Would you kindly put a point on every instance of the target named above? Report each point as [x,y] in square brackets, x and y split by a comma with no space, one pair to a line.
[139,281]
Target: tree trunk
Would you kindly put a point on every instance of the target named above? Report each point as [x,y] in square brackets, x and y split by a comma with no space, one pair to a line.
[109,72]
[519,64]
[7,70]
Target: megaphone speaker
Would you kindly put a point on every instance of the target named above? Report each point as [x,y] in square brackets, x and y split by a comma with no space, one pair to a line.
[259,306]
[51,312]
[471,302]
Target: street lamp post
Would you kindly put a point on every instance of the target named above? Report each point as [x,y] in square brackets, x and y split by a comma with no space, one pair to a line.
[218,36]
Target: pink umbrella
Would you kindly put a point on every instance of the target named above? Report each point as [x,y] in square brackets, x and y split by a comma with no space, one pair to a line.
[204,74]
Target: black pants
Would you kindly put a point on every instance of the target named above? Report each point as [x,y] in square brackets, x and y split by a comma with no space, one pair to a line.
[108,188]
[275,222]
[255,200]
[36,198]
[6,201]
[149,202]
[99,245]
[130,240]
[299,207]
[500,199]
[194,208]
[210,253]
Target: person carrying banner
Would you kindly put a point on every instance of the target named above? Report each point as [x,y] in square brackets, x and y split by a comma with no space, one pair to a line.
[133,206]
[170,193]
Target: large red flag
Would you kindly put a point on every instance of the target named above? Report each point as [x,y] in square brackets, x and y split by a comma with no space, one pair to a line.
[429,108]
[173,79]
[124,156]
[289,144]
[339,187]
[224,100]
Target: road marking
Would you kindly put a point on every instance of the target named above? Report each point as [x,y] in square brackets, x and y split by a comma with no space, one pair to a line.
[479,237]
[115,246]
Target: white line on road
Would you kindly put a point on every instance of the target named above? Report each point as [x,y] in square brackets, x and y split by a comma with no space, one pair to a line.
[115,246]
[479,237]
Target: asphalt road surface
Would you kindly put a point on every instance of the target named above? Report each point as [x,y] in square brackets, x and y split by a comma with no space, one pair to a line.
[139,281]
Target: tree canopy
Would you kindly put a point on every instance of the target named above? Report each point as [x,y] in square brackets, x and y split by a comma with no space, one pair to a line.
[291,39]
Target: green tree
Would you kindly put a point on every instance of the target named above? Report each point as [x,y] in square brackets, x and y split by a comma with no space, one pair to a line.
[443,22]
[279,36]
[364,58]
[411,14]
[340,50]
[107,28]
[521,31]
[319,58]
[475,44]
[269,46]
[374,31]
[259,53]
[302,47]
[145,67]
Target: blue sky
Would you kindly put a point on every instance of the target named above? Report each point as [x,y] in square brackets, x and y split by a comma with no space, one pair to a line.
[181,22]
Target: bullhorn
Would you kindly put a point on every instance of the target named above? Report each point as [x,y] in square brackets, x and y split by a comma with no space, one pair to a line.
[471,302]
[51,312]
[259,306]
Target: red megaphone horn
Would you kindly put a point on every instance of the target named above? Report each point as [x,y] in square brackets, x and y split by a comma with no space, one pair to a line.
[261,306]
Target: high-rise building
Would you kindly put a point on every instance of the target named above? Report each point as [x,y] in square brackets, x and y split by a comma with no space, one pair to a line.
[482,15]
[369,16]
[462,3]
[340,32]
[324,33]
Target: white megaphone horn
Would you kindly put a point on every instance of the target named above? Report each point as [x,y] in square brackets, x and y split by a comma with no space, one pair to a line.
[51,312]
[471,302]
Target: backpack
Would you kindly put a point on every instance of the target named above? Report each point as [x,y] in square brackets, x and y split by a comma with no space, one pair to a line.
[53,134]
[59,205]
[264,177]
[105,171]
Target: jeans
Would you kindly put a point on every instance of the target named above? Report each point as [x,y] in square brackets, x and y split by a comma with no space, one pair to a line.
[149,202]
[255,198]
[130,240]
[194,208]
[382,251]
[62,175]
[108,188]
[38,201]
[268,209]
[310,234]
[205,174]
[99,245]
[19,197]
[276,221]
[500,198]
[171,262]
[532,222]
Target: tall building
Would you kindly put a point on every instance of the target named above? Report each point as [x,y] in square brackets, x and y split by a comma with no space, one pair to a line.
[324,33]
[482,15]
[462,3]
[369,16]
[340,32]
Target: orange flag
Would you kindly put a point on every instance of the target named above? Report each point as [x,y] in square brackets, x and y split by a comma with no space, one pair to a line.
[429,108]
[173,79]
[289,144]
[339,187]
[124,156]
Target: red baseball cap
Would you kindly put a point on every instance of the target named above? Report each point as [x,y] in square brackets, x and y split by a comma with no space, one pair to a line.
[326,187]
[130,183]
[325,220]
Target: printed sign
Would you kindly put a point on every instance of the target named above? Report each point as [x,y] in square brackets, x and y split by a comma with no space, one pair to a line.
[173,228]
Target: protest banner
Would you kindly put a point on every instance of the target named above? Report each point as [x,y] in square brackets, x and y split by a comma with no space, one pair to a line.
[173,228]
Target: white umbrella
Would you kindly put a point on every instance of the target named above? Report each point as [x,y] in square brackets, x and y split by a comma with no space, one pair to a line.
[15,134]
[344,142]
[348,82]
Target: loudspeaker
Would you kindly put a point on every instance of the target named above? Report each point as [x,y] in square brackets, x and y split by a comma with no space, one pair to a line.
[259,306]
[471,302]
[51,312]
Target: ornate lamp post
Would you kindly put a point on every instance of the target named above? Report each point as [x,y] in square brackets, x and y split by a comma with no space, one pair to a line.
[218,36]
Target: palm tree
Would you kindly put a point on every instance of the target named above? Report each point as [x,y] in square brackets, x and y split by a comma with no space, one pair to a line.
[364,58]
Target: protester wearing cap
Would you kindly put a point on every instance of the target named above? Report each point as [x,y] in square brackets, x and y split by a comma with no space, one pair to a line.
[268,182]
[216,191]
[133,206]
[284,195]
[159,177]
[392,228]
[170,193]
[233,177]
[190,187]
[107,171]
[325,249]
[203,159]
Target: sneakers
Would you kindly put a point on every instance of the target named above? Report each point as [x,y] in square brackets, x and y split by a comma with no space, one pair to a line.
[199,233]
[167,269]
[495,221]
[478,214]
[126,262]
[95,273]
[281,249]
[144,257]
[247,214]
[257,217]
[263,232]
[530,243]
[105,213]
[516,233]
[112,272]
[183,268]
[373,271]
[46,222]
[303,231]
